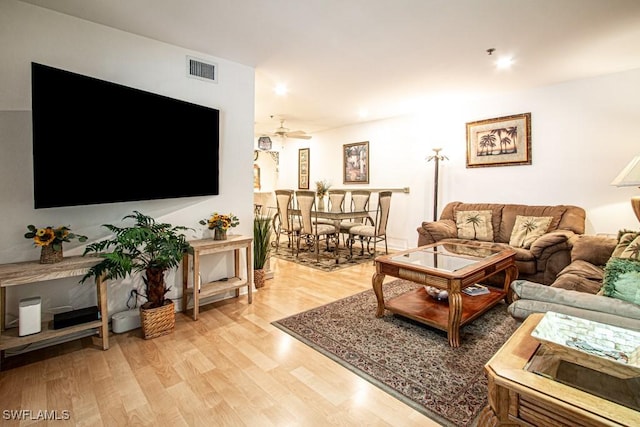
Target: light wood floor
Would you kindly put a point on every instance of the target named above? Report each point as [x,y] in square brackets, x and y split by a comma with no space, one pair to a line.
[231,367]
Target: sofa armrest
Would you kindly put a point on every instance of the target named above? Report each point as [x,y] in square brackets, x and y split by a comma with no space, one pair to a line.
[551,239]
[525,290]
[434,231]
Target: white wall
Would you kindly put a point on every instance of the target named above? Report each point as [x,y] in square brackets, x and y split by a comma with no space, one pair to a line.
[29,33]
[583,133]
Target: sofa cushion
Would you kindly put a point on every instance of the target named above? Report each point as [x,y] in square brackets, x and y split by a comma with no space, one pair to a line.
[474,225]
[574,282]
[510,212]
[526,229]
[593,249]
[622,279]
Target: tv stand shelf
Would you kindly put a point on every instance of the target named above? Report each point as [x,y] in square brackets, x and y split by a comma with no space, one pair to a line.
[209,247]
[23,273]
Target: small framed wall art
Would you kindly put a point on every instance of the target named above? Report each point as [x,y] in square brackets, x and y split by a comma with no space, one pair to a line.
[356,163]
[503,141]
[303,168]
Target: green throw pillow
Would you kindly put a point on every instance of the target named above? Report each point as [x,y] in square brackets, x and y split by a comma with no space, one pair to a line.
[622,279]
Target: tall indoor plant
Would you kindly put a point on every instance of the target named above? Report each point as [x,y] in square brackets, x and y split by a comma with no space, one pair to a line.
[146,246]
[261,247]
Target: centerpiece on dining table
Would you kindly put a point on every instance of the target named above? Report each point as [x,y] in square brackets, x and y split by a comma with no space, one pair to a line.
[220,223]
[322,188]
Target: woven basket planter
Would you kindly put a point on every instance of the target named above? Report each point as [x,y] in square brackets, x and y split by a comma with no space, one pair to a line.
[259,278]
[157,321]
[48,255]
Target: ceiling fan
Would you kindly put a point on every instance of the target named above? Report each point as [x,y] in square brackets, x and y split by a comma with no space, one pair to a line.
[286,133]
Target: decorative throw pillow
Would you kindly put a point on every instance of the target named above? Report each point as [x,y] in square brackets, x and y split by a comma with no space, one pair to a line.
[622,279]
[474,225]
[625,237]
[632,251]
[527,229]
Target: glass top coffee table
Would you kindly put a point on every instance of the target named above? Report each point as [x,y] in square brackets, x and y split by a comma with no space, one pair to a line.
[446,266]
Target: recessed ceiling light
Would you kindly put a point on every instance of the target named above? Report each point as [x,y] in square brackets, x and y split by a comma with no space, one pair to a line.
[503,63]
[281,89]
[363,114]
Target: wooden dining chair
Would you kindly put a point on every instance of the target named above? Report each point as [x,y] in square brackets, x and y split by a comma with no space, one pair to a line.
[283,221]
[312,231]
[373,233]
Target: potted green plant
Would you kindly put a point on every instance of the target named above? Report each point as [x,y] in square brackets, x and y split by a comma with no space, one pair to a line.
[261,247]
[146,246]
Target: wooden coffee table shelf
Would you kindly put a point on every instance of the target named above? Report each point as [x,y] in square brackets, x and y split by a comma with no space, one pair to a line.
[457,271]
[419,306]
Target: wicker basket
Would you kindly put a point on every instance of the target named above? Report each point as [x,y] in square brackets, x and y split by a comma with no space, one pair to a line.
[259,278]
[157,321]
[48,255]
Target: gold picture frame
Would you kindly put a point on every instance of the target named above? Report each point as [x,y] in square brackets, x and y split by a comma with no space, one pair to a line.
[356,163]
[303,168]
[503,141]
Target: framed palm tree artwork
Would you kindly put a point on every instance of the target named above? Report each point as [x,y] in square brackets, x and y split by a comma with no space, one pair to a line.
[503,141]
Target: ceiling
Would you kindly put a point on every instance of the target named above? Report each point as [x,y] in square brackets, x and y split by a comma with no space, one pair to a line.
[338,57]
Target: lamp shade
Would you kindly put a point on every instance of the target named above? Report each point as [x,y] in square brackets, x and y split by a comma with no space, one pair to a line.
[630,175]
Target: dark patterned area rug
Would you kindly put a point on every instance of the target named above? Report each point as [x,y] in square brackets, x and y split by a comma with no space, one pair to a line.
[327,261]
[410,361]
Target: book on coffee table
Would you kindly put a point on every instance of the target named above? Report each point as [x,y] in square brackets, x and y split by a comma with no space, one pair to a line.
[476,289]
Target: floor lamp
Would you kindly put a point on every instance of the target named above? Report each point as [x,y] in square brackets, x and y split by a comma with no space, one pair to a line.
[437,157]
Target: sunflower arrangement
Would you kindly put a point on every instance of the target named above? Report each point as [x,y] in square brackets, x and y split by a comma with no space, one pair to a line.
[49,236]
[222,222]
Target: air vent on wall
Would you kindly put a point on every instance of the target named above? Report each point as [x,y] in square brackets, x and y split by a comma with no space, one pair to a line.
[202,70]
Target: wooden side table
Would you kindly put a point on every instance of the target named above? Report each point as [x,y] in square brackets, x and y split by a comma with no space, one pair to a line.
[520,397]
[24,273]
[209,247]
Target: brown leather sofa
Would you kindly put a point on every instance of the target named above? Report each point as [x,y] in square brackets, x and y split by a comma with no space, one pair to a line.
[541,261]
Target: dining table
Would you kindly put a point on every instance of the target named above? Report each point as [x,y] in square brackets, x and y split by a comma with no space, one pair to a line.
[337,218]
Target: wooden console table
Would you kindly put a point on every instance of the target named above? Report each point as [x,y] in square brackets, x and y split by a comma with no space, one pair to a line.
[23,273]
[518,397]
[208,247]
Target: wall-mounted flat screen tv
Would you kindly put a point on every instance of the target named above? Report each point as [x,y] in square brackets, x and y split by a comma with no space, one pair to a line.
[98,142]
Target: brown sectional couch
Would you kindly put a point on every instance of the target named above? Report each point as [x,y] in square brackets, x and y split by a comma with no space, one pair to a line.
[577,289]
[546,256]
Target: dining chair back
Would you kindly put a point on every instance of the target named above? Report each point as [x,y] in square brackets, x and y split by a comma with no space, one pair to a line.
[283,221]
[312,231]
[336,204]
[373,233]
[359,202]
[336,200]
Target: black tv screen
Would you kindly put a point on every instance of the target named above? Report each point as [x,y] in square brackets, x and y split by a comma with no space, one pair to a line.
[100,142]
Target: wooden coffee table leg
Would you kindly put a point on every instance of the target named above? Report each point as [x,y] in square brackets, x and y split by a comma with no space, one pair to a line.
[376,281]
[455,314]
[511,274]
